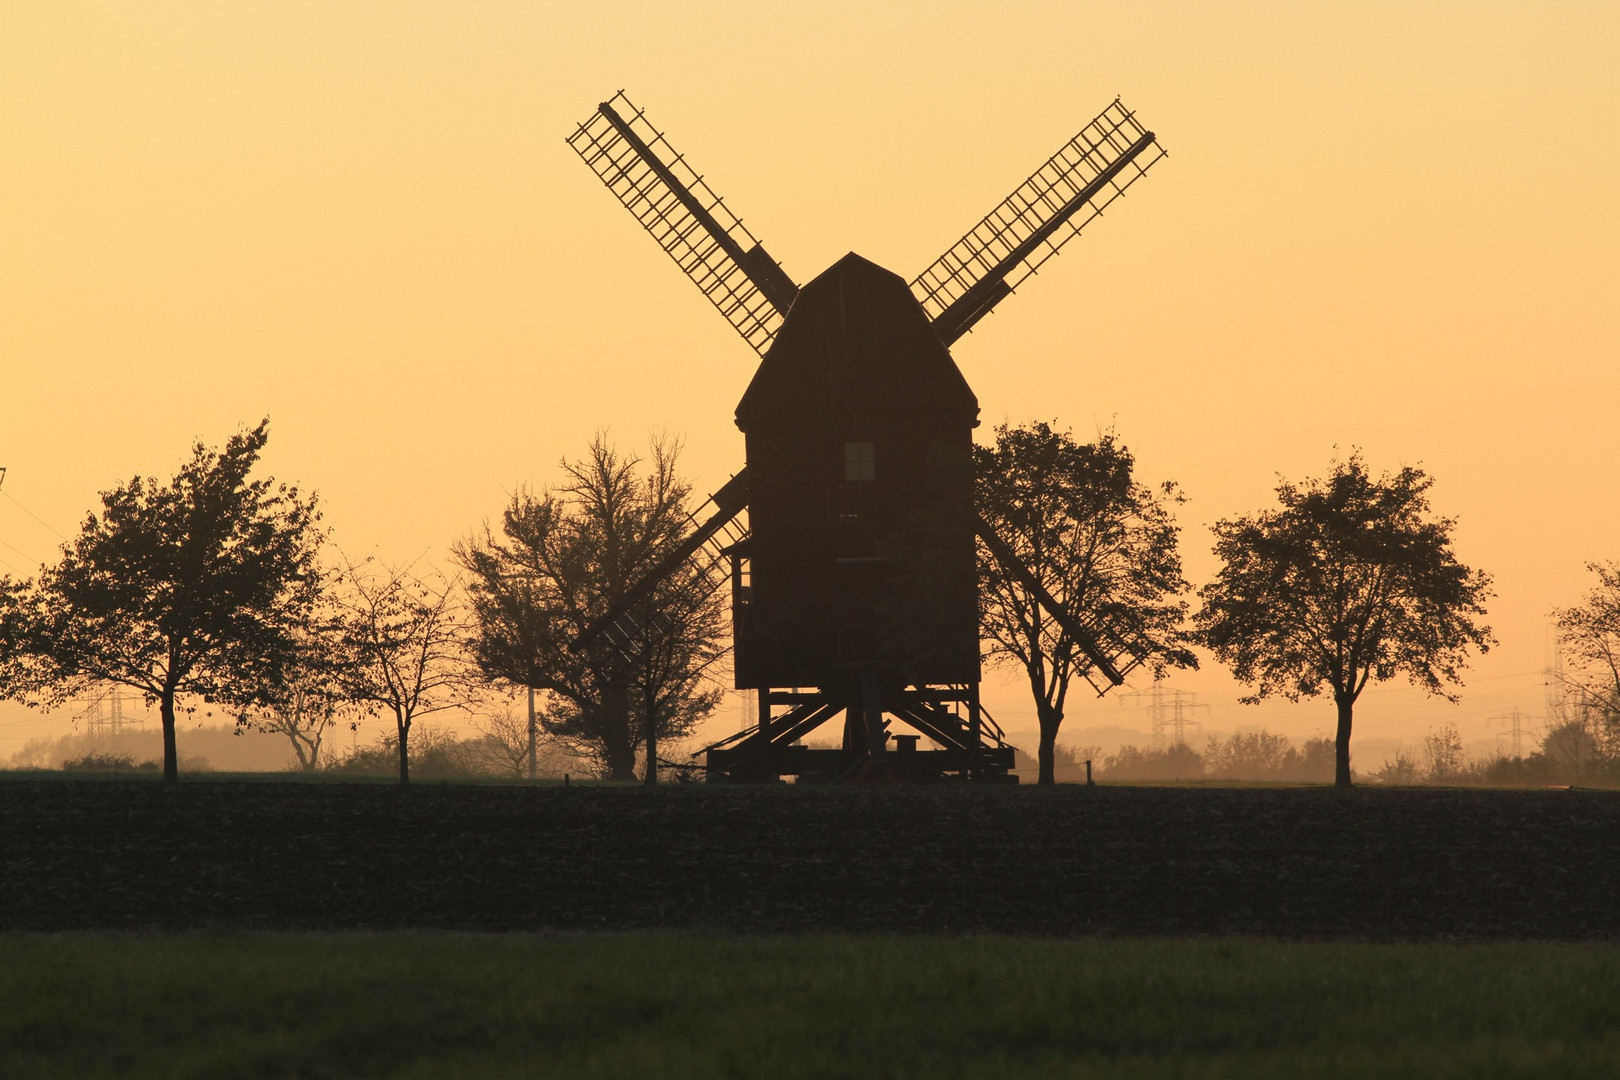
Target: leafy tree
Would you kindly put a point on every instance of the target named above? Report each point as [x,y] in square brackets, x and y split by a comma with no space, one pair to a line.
[197,586]
[1249,755]
[1589,633]
[1350,580]
[1101,543]
[405,646]
[1574,750]
[562,558]
[1178,761]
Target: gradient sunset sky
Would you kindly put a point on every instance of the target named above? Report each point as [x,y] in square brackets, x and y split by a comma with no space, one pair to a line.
[1389,226]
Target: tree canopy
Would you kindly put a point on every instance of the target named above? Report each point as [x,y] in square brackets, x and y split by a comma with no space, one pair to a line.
[1350,580]
[1102,544]
[195,586]
[563,557]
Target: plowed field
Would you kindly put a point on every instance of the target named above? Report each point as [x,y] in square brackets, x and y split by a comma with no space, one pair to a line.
[1289,863]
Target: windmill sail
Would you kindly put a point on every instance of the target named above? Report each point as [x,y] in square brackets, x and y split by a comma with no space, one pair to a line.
[636,619]
[1111,656]
[1074,186]
[689,221]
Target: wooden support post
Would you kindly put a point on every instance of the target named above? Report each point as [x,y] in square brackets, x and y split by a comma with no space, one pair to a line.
[877,738]
[975,735]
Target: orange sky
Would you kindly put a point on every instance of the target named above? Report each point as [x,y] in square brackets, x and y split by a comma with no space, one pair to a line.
[1381,224]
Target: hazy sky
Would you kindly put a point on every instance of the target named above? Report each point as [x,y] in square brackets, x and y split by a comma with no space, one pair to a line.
[1383,225]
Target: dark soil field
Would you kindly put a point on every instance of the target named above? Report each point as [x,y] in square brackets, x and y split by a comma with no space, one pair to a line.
[1304,863]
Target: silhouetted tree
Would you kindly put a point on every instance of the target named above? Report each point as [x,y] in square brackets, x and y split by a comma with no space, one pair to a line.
[1250,755]
[405,645]
[309,696]
[1178,761]
[1443,750]
[562,558]
[1261,755]
[1589,633]
[1574,749]
[503,739]
[1351,580]
[195,586]
[1101,543]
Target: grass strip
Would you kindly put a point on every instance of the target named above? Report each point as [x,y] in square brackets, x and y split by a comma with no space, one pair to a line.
[689,1005]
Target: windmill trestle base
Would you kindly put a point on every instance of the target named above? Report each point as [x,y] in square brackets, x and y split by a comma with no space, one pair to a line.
[967,743]
[813,765]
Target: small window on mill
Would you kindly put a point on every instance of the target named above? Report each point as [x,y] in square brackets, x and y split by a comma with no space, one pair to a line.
[858,463]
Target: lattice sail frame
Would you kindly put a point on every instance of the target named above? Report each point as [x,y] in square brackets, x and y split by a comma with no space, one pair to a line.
[690,222]
[700,565]
[1043,213]
[1124,655]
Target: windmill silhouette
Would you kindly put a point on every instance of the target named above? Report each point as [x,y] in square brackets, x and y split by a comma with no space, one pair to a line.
[854,590]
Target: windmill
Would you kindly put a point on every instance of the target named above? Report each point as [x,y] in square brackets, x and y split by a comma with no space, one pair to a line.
[853,583]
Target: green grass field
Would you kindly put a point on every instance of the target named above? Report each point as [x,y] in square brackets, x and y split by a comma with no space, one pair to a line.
[685,1005]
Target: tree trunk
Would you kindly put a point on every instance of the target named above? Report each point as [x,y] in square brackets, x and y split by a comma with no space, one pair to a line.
[404,753]
[620,751]
[171,754]
[1341,743]
[1050,721]
[533,738]
[651,778]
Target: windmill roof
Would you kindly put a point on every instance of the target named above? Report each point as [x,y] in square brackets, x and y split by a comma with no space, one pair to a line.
[855,339]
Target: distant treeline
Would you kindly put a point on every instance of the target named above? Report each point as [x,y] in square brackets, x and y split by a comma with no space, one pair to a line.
[435,753]
[1584,750]
[1258,755]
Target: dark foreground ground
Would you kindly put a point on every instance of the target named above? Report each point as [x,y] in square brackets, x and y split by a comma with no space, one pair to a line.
[1292,863]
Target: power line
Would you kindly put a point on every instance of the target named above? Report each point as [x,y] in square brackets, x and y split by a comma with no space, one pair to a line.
[1516,722]
[31,514]
[19,551]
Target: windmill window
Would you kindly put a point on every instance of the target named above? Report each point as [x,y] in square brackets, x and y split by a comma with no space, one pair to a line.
[859,464]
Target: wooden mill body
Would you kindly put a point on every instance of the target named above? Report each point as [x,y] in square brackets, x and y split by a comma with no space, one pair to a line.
[860,560]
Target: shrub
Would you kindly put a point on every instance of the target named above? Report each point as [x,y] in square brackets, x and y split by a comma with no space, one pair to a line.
[107,761]
[1176,762]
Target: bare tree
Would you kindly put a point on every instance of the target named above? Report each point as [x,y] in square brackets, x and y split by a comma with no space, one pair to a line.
[1443,750]
[405,644]
[305,711]
[308,698]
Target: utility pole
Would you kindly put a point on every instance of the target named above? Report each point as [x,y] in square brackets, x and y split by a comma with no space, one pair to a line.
[1169,711]
[533,769]
[1553,682]
[1515,720]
